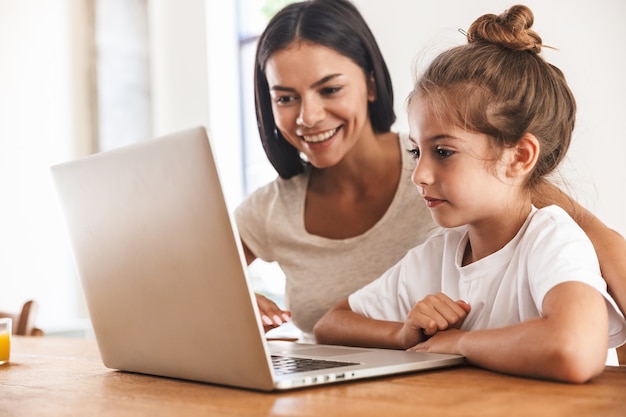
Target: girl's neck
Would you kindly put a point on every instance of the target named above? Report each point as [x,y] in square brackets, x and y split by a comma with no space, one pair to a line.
[492,234]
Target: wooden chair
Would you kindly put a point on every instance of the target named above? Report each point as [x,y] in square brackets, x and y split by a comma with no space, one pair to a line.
[621,355]
[24,321]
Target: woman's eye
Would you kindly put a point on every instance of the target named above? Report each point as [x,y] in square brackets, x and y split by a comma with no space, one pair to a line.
[328,91]
[284,99]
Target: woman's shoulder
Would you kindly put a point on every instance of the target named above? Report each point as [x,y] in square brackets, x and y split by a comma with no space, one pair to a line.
[403,138]
[268,208]
[278,189]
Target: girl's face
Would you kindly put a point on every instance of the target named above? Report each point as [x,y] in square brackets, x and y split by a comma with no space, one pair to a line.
[456,171]
[319,101]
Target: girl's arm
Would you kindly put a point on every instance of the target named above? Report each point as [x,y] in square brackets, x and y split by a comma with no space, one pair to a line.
[610,246]
[436,312]
[569,343]
[342,326]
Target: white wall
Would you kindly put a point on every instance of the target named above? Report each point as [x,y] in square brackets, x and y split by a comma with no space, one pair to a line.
[590,39]
[44,120]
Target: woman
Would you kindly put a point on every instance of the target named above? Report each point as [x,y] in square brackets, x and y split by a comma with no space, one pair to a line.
[343,209]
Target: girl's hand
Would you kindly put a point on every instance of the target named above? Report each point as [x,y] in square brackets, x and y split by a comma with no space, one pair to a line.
[271,315]
[442,342]
[434,313]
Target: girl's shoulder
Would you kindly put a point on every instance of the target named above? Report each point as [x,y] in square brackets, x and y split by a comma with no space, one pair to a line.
[553,216]
[550,229]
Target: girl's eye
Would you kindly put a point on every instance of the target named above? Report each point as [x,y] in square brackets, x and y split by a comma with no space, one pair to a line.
[414,152]
[443,153]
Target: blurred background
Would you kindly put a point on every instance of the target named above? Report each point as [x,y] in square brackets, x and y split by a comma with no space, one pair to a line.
[84,76]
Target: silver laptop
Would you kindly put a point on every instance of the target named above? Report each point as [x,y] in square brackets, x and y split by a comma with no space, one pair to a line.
[164,276]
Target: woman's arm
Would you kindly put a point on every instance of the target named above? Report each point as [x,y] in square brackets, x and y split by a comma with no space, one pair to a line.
[610,246]
[569,343]
[271,315]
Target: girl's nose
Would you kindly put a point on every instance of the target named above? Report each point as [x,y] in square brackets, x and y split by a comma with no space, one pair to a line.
[422,174]
[311,112]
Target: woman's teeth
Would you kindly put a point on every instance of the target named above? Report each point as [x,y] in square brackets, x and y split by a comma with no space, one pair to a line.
[319,137]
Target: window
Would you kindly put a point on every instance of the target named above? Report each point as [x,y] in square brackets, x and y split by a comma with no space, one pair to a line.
[253,15]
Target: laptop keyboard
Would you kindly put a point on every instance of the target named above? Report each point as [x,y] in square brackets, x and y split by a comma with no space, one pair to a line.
[288,365]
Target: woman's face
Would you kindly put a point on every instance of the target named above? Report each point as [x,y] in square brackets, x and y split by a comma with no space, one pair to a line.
[319,100]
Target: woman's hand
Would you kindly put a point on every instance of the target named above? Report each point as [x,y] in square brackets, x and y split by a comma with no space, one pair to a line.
[271,315]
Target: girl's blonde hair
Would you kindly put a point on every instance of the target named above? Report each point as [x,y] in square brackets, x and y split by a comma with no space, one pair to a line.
[499,85]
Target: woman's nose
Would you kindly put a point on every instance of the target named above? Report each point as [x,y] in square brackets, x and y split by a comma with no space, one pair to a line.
[311,112]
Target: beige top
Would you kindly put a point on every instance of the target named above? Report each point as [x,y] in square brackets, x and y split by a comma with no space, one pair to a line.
[321,271]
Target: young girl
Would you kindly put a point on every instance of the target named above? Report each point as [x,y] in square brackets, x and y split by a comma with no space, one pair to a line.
[343,209]
[511,287]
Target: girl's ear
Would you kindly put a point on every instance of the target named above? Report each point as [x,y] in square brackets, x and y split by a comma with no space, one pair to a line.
[524,156]
[371,88]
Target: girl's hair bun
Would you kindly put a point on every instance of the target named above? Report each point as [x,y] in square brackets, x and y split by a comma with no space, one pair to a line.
[511,29]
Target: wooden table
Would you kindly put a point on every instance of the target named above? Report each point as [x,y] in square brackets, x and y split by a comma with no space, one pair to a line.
[64,377]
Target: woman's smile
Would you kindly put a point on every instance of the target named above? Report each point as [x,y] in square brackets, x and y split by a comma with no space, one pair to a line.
[319,137]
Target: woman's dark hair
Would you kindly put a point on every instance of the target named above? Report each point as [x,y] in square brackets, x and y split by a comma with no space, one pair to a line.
[335,24]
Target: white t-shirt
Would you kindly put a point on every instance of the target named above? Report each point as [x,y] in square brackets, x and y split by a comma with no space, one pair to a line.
[502,289]
[320,271]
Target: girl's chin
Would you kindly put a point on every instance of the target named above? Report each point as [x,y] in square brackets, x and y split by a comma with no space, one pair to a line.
[446,222]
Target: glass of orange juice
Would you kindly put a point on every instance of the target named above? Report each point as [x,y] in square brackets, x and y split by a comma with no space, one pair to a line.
[5,340]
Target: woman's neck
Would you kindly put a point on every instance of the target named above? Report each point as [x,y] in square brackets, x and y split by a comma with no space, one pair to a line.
[372,160]
[353,197]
